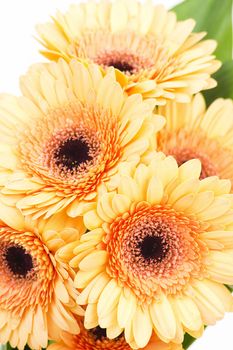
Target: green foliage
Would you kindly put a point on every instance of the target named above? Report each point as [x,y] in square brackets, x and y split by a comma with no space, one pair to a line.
[188,340]
[230,288]
[224,88]
[214,17]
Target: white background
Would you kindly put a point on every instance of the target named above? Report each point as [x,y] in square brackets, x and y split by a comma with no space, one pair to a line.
[18,50]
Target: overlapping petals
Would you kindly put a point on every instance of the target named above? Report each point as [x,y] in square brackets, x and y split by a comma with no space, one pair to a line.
[95,339]
[155,54]
[192,131]
[158,253]
[67,135]
[37,298]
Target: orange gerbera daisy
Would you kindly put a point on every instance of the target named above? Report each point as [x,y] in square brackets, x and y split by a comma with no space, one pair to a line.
[96,339]
[160,56]
[67,135]
[192,131]
[37,295]
[159,250]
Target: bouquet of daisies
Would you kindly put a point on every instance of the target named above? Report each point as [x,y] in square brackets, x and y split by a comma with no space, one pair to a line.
[116,209]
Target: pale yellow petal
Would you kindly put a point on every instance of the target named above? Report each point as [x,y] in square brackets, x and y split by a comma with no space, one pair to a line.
[91,318]
[154,191]
[142,327]
[94,260]
[188,313]
[126,308]
[163,318]
[220,266]
[109,298]
[92,220]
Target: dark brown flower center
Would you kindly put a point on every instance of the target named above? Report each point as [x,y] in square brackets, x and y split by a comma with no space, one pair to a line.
[126,61]
[72,153]
[152,247]
[98,333]
[122,65]
[18,261]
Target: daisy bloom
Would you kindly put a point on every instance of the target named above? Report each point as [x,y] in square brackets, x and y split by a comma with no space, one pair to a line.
[192,131]
[159,249]
[67,135]
[37,294]
[96,339]
[154,53]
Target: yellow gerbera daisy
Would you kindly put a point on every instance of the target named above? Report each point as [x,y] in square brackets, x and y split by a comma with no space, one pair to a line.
[37,294]
[192,131]
[160,56]
[96,339]
[67,135]
[159,249]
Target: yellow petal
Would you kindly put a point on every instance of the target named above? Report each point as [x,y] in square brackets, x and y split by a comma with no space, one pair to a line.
[129,188]
[61,291]
[163,318]
[100,284]
[190,170]
[82,278]
[104,207]
[120,203]
[154,191]
[188,313]
[82,298]
[94,260]
[118,23]
[114,331]
[220,266]
[12,217]
[185,188]
[92,220]
[166,170]
[109,298]
[91,318]
[218,208]
[212,299]
[142,327]
[109,319]
[224,238]
[126,309]
[201,201]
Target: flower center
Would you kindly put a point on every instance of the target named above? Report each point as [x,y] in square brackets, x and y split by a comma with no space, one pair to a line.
[72,153]
[98,333]
[122,65]
[140,57]
[18,261]
[124,60]
[152,247]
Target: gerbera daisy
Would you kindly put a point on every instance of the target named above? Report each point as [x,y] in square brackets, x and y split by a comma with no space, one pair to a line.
[158,251]
[192,131]
[67,135]
[96,339]
[37,294]
[159,56]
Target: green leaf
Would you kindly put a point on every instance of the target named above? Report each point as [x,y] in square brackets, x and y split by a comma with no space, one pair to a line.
[5,347]
[224,88]
[214,17]
[229,287]
[188,340]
